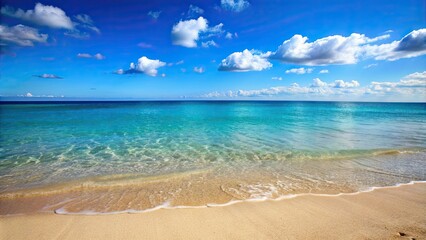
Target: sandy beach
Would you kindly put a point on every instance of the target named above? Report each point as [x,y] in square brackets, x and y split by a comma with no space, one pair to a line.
[386,213]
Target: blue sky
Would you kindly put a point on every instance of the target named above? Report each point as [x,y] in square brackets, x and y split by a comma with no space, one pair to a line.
[222,49]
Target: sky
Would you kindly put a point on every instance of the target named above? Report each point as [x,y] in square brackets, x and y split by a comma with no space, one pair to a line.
[213,50]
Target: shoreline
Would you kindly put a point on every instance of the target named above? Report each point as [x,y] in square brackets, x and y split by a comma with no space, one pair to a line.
[382,213]
[165,206]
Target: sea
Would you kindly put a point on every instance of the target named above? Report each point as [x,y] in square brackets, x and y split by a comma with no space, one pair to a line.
[136,156]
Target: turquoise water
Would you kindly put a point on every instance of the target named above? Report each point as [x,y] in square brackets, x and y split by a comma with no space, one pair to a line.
[337,145]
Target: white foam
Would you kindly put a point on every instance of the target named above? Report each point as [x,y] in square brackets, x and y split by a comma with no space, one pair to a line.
[166,205]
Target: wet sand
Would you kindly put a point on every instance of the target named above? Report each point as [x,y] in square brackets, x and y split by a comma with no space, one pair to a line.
[386,213]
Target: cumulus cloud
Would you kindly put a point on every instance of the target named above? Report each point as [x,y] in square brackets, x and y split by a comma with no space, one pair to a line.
[144,65]
[199,69]
[245,61]
[194,11]
[343,84]
[45,75]
[21,35]
[234,5]
[277,78]
[187,33]
[338,49]
[415,80]
[318,83]
[154,14]
[299,70]
[323,71]
[97,56]
[411,45]
[324,51]
[43,15]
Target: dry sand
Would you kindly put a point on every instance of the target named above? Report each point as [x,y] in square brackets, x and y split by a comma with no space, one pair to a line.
[389,213]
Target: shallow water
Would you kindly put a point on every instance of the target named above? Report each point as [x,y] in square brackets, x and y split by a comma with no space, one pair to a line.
[108,157]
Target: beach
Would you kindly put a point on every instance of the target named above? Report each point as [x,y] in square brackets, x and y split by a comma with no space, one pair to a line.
[385,213]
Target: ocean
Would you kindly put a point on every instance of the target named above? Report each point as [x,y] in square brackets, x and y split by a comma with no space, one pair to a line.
[109,157]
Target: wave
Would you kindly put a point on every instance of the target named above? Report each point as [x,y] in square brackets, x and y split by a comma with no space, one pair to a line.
[166,205]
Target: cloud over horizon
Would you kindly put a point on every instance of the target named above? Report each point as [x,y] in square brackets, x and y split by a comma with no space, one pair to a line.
[411,86]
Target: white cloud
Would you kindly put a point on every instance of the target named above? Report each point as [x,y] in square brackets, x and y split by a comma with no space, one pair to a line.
[230,35]
[411,87]
[208,44]
[199,69]
[144,45]
[154,14]
[277,78]
[244,61]
[45,75]
[414,80]
[371,65]
[323,71]
[299,70]
[194,11]
[21,35]
[77,34]
[84,55]
[338,49]
[417,76]
[329,50]
[144,65]
[343,84]
[86,21]
[186,33]
[214,31]
[28,94]
[234,5]
[43,15]
[318,83]
[411,45]
[97,56]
